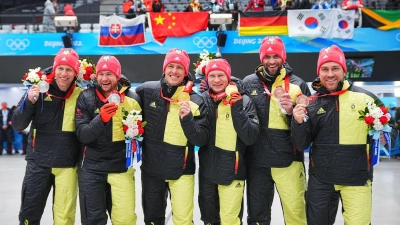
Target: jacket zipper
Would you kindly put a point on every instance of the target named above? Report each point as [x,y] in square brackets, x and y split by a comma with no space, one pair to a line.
[237,162]
[84,155]
[185,158]
[33,140]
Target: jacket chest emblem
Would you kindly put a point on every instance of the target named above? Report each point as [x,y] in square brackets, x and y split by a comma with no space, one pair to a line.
[97,110]
[153,105]
[48,99]
[254,92]
[321,111]
[238,185]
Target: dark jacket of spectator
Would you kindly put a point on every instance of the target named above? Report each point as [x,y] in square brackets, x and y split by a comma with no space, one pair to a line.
[302,4]
[158,6]
[392,5]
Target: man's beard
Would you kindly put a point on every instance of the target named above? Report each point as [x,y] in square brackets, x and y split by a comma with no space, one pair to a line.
[277,72]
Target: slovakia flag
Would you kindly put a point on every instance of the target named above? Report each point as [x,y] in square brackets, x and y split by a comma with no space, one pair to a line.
[117,31]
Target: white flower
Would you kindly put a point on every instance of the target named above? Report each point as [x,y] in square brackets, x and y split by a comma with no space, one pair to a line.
[131,121]
[33,77]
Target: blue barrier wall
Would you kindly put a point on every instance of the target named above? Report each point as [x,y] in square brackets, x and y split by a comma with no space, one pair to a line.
[365,40]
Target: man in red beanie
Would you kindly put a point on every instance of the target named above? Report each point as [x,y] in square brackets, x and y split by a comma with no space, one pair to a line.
[176,121]
[272,160]
[106,182]
[53,148]
[234,126]
[340,156]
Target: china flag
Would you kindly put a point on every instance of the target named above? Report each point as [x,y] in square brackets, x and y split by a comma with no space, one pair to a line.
[176,24]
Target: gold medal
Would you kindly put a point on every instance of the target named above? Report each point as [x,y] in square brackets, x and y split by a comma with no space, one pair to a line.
[183,97]
[230,89]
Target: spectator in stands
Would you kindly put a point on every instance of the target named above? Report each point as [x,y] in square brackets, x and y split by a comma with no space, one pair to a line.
[392,5]
[283,5]
[194,6]
[302,4]
[340,165]
[158,6]
[68,10]
[255,5]
[139,7]
[321,5]
[148,5]
[6,131]
[215,7]
[234,7]
[333,4]
[48,16]
[127,9]
[352,4]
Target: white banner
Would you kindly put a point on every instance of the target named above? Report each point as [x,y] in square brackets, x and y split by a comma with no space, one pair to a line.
[327,23]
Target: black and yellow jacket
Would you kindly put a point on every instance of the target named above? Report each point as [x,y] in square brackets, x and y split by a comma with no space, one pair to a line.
[274,147]
[340,151]
[232,129]
[52,141]
[168,145]
[103,144]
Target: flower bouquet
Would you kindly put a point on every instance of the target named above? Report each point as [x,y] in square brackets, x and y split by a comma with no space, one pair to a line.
[87,72]
[35,77]
[133,130]
[377,117]
[201,64]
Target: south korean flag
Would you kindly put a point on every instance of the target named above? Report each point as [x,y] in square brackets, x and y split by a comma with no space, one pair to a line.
[310,23]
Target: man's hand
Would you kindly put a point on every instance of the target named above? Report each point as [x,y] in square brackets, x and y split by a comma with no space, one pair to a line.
[235,96]
[185,109]
[382,139]
[107,111]
[33,94]
[299,112]
[4,127]
[287,103]
[203,86]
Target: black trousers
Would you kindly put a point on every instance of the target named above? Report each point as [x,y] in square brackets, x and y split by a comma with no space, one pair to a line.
[7,135]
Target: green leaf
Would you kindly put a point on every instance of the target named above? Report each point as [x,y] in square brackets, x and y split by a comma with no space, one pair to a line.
[144,123]
[361,113]
[126,113]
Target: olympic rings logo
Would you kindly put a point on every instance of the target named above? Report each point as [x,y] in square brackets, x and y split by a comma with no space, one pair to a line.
[17,44]
[205,42]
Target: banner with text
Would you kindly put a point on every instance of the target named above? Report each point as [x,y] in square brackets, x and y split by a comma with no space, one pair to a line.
[364,40]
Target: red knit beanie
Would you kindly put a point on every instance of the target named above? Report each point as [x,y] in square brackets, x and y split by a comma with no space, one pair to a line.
[331,54]
[177,56]
[67,56]
[219,64]
[109,63]
[272,45]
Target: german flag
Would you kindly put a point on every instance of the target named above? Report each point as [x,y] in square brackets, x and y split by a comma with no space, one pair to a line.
[263,23]
[380,19]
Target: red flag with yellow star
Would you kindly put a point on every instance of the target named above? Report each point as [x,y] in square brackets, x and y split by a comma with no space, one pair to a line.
[176,24]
